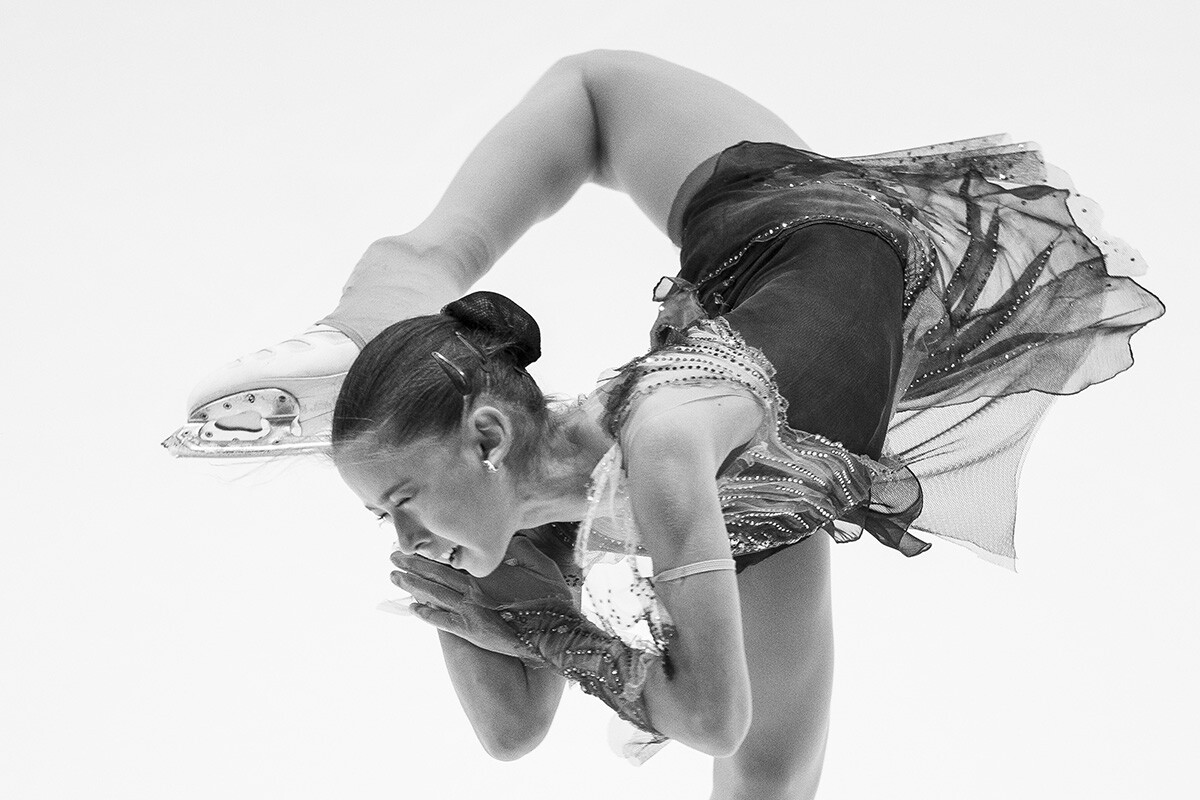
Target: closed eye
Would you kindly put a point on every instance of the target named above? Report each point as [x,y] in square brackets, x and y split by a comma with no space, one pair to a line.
[383,515]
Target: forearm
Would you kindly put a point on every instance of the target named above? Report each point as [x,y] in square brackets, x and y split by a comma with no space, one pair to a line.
[703,700]
[510,705]
[685,694]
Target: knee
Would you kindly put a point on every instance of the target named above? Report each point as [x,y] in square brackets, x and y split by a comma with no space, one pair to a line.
[604,57]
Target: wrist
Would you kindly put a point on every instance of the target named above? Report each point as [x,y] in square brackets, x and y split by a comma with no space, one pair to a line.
[599,662]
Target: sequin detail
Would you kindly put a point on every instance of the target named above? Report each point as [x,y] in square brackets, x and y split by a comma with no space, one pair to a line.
[782,487]
[844,203]
[600,663]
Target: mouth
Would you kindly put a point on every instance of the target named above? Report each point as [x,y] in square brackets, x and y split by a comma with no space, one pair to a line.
[451,555]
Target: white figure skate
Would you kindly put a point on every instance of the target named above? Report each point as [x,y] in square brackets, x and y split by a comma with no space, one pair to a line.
[276,401]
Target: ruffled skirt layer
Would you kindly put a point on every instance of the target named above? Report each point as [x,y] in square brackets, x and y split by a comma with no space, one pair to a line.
[1013,295]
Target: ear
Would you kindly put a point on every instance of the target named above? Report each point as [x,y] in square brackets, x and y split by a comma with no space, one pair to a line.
[490,432]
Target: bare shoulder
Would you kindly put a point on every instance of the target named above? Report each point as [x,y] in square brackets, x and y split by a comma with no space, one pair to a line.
[656,121]
[672,460]
[697,424]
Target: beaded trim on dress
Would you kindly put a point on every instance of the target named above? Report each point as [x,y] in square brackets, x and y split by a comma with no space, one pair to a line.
[1009,300]
[783,486]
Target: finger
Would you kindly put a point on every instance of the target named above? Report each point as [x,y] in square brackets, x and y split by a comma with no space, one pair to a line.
[416,561]
[439,618]
[402,559]
[433,570]
[409,562]
[530,556]
[522,552]
[428,590]
[401,579]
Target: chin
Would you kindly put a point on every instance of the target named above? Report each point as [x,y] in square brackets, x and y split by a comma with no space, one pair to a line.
[471,564]
[477,572]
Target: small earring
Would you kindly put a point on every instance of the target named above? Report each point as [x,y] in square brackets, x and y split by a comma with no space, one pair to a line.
[489,466]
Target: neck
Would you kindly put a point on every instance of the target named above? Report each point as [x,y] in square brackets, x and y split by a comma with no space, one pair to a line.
[574,447]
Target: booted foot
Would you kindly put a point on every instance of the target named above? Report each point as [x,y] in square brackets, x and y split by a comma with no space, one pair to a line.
[274,401]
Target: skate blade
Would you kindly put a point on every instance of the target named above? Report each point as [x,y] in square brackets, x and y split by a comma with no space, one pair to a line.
[257,424]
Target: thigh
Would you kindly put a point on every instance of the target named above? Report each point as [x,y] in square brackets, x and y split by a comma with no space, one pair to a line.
[788,624]
[656,121]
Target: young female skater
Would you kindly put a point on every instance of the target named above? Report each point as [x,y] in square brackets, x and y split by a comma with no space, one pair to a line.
[924,303]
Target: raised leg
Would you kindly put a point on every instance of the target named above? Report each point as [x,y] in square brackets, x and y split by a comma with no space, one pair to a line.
[788,624]
[626,120]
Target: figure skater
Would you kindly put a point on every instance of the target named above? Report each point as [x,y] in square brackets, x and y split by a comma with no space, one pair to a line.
[850,345]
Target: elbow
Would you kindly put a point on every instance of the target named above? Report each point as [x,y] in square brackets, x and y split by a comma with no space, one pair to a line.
[507,750]
[716,726]
[511,743]
[580,62]
[603,57]
[720,735]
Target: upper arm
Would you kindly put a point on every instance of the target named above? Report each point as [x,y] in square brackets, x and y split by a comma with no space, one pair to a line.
[675,441]
[672,468]
[656,121]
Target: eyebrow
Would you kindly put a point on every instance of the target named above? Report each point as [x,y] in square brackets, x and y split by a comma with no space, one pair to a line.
[383,498]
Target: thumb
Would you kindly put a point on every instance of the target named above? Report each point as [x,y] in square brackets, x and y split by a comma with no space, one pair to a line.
[528,554]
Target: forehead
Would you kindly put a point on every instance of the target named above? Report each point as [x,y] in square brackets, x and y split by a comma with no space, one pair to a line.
[370,468]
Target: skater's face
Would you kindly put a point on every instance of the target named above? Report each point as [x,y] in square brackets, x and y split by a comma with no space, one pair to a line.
[439,496]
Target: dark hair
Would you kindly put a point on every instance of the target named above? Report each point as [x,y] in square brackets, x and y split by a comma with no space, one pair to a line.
[398,391]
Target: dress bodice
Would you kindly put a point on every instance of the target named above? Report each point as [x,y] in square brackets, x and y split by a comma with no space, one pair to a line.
[782,486]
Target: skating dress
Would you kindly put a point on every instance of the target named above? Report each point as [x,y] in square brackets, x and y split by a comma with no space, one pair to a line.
[904,319]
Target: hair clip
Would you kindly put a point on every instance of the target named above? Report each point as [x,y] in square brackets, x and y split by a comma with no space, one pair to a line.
[475,351]
[462,382]
[461,379]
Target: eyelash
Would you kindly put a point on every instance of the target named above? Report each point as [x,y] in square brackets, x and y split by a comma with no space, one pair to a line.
[382,516]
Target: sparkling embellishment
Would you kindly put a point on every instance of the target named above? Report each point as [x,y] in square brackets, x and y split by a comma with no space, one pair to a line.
[967,279]
[779,491]
[557,635]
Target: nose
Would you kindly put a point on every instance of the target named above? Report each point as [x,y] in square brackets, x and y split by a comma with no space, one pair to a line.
[409,535]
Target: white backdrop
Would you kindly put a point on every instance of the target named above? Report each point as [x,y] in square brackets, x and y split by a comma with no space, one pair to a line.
[182,182]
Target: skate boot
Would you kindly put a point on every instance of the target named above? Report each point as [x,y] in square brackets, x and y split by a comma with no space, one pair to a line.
[271,402]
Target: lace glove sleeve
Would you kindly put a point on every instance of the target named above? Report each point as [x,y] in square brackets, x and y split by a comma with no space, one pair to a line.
[600,663]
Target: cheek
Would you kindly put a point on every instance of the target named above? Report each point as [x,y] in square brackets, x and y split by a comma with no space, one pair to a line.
[488,520]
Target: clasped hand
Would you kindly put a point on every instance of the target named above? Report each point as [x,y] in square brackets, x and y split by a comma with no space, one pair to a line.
[466,606]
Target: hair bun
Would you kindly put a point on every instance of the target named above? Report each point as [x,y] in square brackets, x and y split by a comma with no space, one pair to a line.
[496,314]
